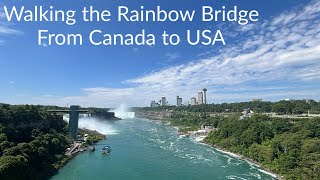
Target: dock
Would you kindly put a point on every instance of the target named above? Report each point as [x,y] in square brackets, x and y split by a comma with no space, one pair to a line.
[75,148]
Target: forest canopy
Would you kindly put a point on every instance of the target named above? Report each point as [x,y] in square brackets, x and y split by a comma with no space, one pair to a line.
[32,142]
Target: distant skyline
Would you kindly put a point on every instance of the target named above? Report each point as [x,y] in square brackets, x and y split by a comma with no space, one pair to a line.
[276,58]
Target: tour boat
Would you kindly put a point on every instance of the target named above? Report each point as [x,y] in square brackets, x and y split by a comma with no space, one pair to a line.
[106,149]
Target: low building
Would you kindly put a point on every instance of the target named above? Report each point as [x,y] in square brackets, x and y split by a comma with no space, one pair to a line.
[246,113]
[201,132]
[154,104]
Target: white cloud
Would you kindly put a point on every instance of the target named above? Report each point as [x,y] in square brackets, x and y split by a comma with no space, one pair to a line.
[2,14]
[8,31]
[6,27]
[48,96]
[172,56]
[282,50]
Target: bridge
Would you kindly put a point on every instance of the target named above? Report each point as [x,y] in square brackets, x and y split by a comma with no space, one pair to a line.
[74,112]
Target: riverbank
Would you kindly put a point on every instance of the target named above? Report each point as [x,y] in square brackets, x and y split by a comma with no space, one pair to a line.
[86,140]
[250,161]
[181,131]
[80,146]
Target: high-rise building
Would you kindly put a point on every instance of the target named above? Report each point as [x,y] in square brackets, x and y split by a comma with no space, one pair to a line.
[163,101]
[204,96]
[200,98]
[193,101]
[179,101]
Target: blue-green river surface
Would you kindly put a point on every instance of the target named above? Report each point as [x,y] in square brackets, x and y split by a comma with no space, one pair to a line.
[148,150]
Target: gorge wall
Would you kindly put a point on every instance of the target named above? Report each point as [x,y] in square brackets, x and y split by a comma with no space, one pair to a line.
[153,115]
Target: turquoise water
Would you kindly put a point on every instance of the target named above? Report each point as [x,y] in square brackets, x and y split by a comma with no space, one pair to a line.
[143,149]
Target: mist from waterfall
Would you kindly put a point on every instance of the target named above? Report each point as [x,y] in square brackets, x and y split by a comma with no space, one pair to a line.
[94,124]
[123,112]
[102,126]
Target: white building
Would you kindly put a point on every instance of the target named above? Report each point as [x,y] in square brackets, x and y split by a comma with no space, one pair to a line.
[154,104]
[200,98]
[163,101]
[179,101]
[193,101]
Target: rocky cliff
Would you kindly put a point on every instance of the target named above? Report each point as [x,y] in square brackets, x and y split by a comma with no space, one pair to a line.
[153,115]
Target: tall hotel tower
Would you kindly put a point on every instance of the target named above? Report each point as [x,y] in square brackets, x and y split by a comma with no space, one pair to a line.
[200,98]
[204,96]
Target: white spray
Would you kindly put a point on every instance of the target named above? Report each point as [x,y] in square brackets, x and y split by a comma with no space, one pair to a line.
[94,124]
[123,112]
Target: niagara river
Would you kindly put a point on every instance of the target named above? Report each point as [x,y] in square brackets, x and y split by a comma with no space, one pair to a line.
[143,149]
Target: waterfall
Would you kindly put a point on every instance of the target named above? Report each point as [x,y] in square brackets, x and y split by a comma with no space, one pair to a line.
[102,126]
[94,124]
[122,112]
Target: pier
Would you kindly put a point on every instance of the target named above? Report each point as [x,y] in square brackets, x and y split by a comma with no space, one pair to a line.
[74,149]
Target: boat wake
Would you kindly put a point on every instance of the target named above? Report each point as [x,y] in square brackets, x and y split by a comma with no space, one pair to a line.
[163,137]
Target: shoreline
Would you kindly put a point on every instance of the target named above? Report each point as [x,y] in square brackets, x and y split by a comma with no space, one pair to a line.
[259,166]
[69,158]
[99,137]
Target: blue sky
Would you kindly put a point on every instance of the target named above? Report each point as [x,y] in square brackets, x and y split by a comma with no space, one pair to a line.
[276,58]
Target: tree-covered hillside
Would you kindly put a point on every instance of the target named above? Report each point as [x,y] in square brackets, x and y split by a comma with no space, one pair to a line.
[32,142]
[289,147]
